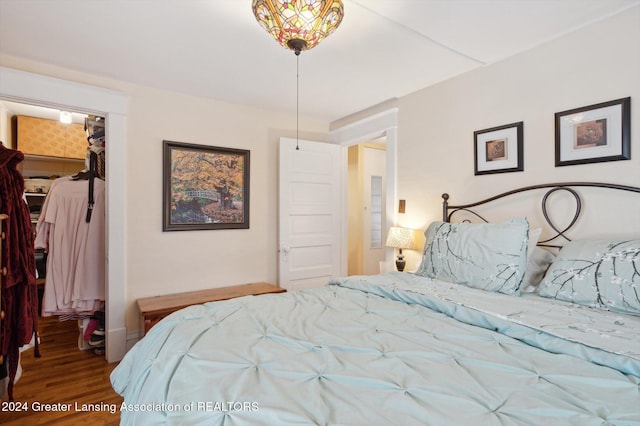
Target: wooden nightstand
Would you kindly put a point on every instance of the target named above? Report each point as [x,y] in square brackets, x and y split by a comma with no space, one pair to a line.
[153,309]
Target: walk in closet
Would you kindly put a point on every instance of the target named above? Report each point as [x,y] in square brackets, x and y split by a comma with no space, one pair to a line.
[55,184]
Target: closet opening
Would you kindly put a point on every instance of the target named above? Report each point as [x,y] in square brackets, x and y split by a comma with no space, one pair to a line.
[64,188]
[36,89]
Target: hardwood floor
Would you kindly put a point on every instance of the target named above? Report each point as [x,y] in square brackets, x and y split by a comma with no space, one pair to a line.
[65,377]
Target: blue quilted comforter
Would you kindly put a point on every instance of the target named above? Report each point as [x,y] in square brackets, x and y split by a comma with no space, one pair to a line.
[372,351]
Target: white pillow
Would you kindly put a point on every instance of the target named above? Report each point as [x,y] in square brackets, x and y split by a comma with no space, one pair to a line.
[538,261]
[534,236]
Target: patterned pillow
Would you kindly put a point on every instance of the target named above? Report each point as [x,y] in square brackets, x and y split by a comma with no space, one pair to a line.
[489,256]
[597,273]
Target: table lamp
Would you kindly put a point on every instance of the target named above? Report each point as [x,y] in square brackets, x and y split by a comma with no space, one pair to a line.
[400,238]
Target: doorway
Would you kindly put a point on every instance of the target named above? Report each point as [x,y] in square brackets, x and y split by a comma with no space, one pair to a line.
[35,89]
[366,190]
[380,125]
[56,156]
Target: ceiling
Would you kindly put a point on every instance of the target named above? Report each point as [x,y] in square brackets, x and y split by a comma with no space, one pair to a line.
[383,49]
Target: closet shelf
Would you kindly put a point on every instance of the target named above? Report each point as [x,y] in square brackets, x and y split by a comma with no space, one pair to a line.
[33,157]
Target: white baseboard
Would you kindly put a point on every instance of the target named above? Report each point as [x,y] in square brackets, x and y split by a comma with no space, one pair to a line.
[133,338]
[116,344]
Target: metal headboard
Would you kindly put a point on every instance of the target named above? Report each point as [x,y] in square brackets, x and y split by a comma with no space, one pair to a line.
[449,210]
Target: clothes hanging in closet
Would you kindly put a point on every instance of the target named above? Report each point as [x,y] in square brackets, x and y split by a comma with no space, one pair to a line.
[19,299]
[75,282]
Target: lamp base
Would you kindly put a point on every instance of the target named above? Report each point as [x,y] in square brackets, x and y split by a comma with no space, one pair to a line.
[400,264]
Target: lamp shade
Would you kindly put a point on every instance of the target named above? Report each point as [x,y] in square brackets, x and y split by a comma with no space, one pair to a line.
[299,24]
[401,238]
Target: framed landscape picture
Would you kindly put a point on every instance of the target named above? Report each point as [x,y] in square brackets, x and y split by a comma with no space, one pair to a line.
[499,149]
[205,187]
[594,133]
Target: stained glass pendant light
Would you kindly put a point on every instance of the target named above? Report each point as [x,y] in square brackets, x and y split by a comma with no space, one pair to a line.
[299,24]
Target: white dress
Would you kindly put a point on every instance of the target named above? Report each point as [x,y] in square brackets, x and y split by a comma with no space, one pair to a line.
[75,279]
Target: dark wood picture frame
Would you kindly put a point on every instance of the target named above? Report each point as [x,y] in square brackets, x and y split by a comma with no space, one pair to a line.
[499,149]
[204,187]
[594,133]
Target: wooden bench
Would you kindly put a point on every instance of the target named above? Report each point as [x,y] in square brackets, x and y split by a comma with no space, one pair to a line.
[153,309]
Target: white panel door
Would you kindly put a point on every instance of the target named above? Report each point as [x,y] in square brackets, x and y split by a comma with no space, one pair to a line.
[310,213]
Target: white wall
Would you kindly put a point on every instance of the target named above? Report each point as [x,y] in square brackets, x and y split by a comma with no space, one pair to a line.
[5,128]
[171,262]
[436,125]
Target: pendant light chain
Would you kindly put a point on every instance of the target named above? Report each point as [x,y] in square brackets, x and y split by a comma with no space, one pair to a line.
[297,100]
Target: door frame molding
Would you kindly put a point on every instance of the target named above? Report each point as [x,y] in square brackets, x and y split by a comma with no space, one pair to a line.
[36,89]
[383,124]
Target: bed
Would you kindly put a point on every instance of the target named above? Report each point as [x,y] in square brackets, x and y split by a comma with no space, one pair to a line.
[488,331]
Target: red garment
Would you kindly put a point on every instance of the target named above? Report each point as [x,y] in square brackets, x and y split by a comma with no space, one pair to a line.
[91,327]
[19,291]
